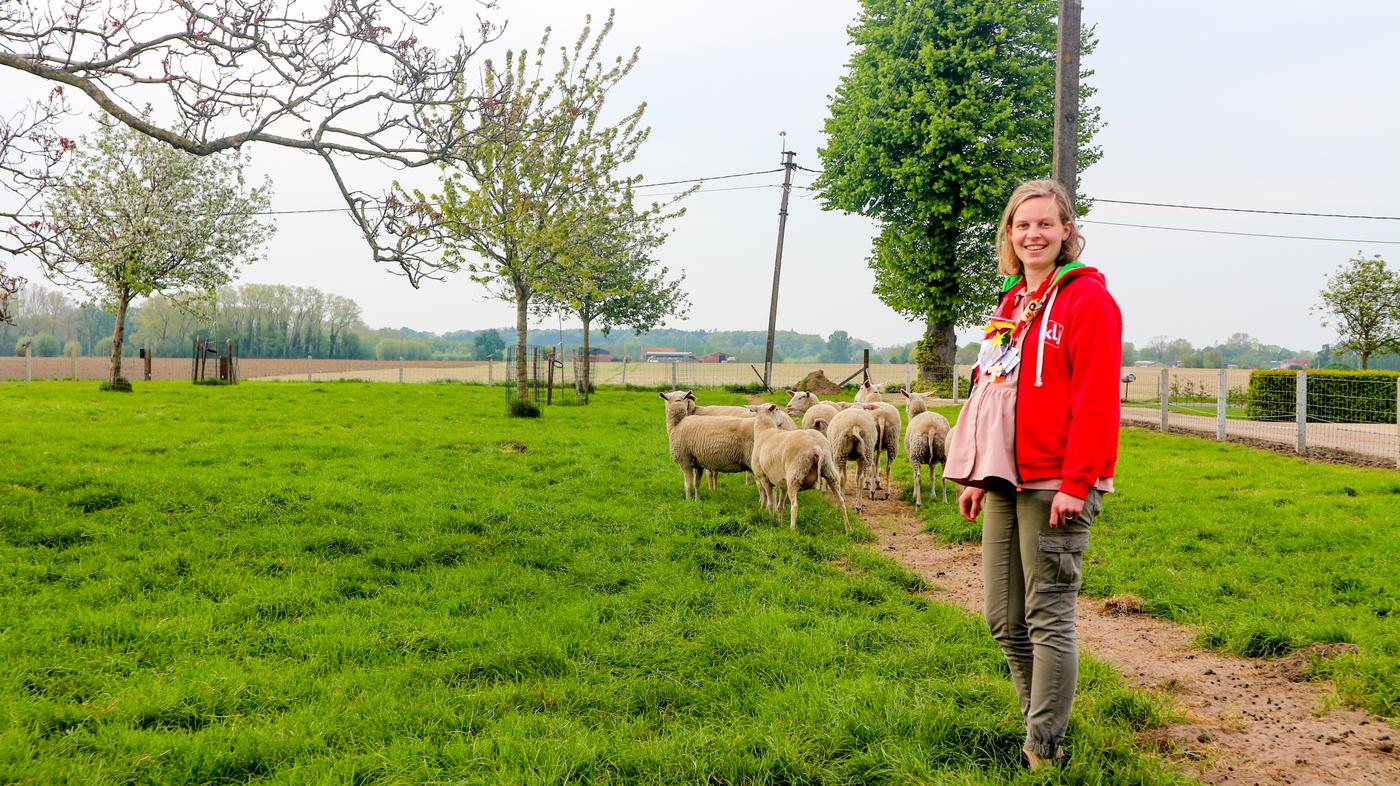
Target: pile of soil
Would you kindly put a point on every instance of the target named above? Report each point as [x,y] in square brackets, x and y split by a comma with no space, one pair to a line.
[816,382]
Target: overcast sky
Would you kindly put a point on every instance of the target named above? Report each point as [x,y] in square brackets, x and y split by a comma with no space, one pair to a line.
[1277,105]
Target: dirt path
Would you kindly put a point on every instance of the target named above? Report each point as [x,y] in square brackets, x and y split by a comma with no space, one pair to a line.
[1247,722]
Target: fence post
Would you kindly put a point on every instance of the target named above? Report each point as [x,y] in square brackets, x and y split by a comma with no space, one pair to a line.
[1222,395]
[29,363]
[1165,387]
[401,368]
[907,379]
[490,369]
[1301,407]
[673,375]
[75,367]
[308,368]
[624,370]
[955,383]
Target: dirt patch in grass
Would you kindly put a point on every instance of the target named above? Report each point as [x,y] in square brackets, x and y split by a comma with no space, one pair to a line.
[1248,721]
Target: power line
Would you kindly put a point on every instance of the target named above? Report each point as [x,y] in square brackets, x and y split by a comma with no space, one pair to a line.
[1260,211]
[1240,234]
[1247,210]
[716,177]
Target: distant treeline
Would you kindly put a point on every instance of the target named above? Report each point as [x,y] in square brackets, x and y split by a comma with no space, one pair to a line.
[270,320]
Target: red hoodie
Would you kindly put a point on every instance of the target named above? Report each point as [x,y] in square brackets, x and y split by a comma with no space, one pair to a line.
[1067,393]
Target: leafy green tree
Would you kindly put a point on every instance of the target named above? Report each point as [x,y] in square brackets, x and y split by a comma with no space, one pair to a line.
[626,289]
[488,343]
[1130,353]
[139,217]
[838,347]
[1362,300]
[946,107]
[530,186]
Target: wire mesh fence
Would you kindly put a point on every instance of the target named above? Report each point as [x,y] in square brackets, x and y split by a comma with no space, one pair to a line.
[1350,419]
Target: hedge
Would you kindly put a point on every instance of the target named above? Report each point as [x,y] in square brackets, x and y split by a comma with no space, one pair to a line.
[1333,396]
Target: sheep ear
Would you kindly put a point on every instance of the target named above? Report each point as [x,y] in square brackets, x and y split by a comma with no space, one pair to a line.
[690,395]
[791,392]
[663,396]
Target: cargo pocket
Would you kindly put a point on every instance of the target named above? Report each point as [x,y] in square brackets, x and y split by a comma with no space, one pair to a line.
[1062,560]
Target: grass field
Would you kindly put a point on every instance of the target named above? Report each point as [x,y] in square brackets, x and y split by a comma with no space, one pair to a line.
[357,583]
[1265,552]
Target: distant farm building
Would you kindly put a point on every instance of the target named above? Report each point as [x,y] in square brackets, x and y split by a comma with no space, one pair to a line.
[599,355]
[665,355]
[716,357]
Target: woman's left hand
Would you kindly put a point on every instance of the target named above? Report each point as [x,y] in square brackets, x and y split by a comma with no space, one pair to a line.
[1063,508]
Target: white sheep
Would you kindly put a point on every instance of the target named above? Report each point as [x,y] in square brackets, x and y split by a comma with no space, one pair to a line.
[888,421]
[718,443]
[725,410]
[868,393]
[785,421]
[790,461]
[853,434]
[818,416]
[800,402]
[915,402]
[926,442]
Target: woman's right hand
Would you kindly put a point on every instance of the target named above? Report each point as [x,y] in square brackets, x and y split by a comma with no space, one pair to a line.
[970,502]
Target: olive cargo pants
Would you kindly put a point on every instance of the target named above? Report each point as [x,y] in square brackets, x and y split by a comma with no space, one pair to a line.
[1032,573]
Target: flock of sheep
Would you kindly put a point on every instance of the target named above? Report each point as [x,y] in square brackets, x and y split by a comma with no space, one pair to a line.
[763,439]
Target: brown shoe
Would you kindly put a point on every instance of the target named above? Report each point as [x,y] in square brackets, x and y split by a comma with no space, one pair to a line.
[1035,761]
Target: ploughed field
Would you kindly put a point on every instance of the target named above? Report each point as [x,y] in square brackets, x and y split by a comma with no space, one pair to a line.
[349,582]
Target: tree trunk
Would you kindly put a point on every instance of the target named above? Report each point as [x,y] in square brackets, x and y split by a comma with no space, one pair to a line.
[942,338]
[522,380]
[587,361]
[123,300]
[1365,359]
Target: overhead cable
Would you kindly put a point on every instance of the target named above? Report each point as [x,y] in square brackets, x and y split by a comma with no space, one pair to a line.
[1240,234]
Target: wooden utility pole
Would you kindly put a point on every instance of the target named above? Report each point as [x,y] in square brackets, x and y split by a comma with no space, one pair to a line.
[788,166]
[1066,153]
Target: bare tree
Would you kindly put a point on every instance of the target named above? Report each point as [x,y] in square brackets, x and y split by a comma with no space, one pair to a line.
[343,81]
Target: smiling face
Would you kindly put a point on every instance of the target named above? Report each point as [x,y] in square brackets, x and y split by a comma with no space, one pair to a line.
[1037,234]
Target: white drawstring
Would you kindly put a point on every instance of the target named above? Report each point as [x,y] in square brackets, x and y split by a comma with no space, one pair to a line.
[1044,323]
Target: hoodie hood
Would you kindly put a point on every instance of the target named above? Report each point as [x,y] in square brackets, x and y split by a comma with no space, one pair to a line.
[1062,273]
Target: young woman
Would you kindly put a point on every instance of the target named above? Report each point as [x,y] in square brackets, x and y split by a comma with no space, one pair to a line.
[1035,448]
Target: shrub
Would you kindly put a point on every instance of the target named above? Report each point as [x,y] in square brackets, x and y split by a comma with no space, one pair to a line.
[942,388]
[522,408]
[120,385]
[1333,396]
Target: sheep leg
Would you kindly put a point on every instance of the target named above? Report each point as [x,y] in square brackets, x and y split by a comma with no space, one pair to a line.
[875,479]
[942,483]
[889,463]
[714,480]
[763,489]
[828,471]
[917,468]
[699,473]
[792,502]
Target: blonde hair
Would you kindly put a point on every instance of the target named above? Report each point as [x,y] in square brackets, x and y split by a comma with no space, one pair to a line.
[1008,264]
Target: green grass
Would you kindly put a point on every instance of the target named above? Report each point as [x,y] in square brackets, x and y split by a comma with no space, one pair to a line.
[1265,553]
[358,583]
